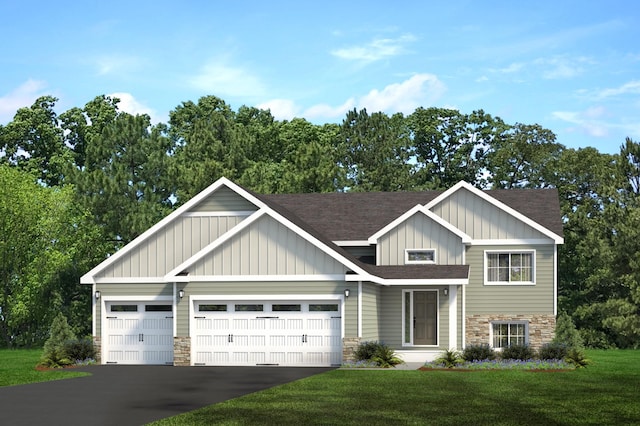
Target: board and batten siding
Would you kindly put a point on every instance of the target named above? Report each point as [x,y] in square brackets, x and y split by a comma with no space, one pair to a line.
[132,290]
[266,247]
[370,312]
[420,232]
[256,290]
[511,299]
[482,220]
[170,246]
[223,200]
[391,318]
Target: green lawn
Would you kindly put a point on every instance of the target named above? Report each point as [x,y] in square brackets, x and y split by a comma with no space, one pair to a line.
[606,393]
[18,367]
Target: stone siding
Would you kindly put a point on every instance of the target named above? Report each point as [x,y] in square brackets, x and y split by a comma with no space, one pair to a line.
[182,351]
[541,328]
[349,346]
[97,345]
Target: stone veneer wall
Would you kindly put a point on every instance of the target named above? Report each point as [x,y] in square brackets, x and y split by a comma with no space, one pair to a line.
[97,345]
[182,351]
[541,328]
[349,346]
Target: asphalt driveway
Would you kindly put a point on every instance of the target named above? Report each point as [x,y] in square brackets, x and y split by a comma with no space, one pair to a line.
[135,395]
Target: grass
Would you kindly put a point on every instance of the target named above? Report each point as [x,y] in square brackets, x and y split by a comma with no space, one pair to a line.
[18,367]
[605,393]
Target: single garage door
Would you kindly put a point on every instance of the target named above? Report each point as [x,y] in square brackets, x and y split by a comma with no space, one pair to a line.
[267,333]
[138,333]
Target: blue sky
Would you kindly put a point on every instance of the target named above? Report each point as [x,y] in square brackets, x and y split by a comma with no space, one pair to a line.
[570,66]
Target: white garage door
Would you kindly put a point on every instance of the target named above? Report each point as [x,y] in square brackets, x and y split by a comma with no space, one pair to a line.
[138,333]
[267,333]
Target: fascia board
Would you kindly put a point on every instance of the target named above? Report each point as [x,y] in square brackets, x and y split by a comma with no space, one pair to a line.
[497,203]
[88,278]
[406,215]
[407,281]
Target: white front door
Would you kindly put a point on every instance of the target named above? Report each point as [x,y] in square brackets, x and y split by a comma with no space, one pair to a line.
[138,333]
[267,333]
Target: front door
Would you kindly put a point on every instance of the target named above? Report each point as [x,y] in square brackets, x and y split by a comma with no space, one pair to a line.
[425,317]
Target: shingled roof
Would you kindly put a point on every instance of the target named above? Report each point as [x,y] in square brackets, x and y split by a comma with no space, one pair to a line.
[355,216]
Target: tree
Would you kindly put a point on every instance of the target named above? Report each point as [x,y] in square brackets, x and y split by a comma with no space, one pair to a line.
[375,152]
[33,141]
[59,333]
[450,146]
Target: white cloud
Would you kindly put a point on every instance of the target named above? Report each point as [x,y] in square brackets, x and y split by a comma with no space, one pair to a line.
[589,122]
[632,87]
[22,96]
[375,50]
[512,68]
[419,90]
[130,105]
[117,64]
[561,67]
[405,97]
[281,109]
[218,78]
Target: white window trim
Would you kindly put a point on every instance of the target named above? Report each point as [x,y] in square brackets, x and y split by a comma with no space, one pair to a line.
[416,262]
[404,313]
[492,323]
[511,283]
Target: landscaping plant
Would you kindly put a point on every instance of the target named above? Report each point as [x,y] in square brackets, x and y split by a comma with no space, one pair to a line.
[377,352]
[478,353]
[518,352]
[54,355]
[450,358]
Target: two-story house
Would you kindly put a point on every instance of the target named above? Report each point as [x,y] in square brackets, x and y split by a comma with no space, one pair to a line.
[237,278]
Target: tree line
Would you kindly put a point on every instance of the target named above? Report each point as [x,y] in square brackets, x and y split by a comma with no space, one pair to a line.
[76,186]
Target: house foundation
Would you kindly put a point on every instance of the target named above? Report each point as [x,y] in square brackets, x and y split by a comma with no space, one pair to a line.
[349,347]
[182,351]
[97,346]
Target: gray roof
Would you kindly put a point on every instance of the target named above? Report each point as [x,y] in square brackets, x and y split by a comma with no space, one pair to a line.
[356,216]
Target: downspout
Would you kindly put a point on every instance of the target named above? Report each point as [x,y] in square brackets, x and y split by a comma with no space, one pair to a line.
[175,310]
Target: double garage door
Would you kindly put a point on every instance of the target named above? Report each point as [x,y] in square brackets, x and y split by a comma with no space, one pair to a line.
[298,333]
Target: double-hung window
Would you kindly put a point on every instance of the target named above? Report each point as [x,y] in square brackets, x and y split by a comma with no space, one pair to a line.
[506,334]
[510,267]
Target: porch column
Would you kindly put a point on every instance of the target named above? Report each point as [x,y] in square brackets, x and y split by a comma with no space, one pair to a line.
[453,317]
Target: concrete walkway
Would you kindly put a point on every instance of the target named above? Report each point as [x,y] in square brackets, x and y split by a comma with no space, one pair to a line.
[135,395]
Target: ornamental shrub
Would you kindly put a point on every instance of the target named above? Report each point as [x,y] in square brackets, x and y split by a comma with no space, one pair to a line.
[54,354]
[518,352]
[449,358]
[553,351]
[79,349]
[367,350]
[566,332]
[377,352]
[481,352]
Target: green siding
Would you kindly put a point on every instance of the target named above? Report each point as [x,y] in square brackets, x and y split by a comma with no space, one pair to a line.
[132,290]
[223,200]
[482,220]
[418,232]
[511,299]
[257,289]
[266,247]
[370,312]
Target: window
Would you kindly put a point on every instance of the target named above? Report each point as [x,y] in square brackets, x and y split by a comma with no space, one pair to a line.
[509,333]
[249,308]
[158,308]
[509,267]
[420,256]
[285,308]
[124,308]
[320,307]
[212,308]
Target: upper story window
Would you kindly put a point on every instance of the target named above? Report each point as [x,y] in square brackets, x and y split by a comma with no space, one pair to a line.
[419,256]
[513,267]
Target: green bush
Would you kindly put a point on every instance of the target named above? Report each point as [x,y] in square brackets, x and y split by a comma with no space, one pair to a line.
[577,357]
[566,332]
[54,355]
[518,352]
[367,350]
[553,351]
[449,358]
[377,352]
[79,349]
[478,353]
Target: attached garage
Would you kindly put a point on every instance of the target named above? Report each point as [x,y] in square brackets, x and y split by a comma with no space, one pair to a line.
[138,332]
[259,332]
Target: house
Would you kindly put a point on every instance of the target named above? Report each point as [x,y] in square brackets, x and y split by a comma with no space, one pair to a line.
[236,278]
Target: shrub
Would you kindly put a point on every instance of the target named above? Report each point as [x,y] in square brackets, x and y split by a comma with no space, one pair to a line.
[59,332]
[79,349]
[367,350]
[449,358]
[478,353]
[577,357]
[377,352]
[518,352]
[566,332]
[553,351]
